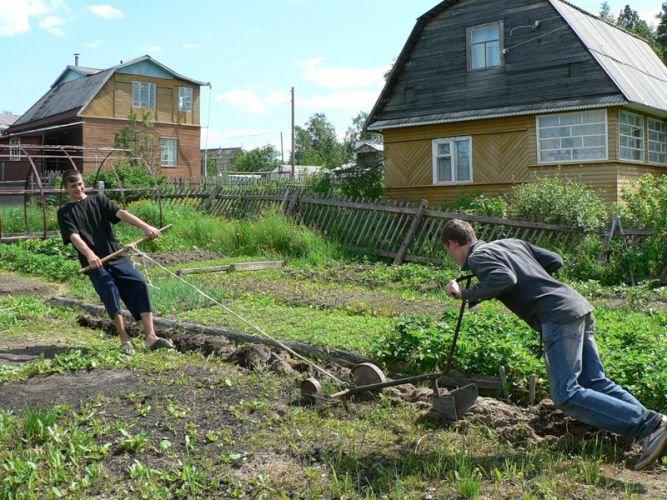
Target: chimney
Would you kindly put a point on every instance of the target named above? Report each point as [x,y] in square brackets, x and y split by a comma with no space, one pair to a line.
[76,59]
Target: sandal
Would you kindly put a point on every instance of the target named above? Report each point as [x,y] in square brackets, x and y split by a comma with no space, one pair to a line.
[161,343]
[127,348]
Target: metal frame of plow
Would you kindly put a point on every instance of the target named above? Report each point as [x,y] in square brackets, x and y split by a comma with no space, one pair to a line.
[39,153]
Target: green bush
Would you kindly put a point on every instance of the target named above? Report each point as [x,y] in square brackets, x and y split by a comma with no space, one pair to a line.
[558,200]
[646,207]
[477,203]
[130,176]
[364,180]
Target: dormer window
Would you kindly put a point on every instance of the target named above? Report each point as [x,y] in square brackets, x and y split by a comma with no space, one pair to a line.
[143,95]
[485,46]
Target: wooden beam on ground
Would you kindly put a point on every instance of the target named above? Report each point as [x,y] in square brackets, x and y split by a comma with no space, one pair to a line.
[239,266]
[340,356]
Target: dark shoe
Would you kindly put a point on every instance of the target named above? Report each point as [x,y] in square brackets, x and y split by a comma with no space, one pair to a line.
[161,343]
[654,446]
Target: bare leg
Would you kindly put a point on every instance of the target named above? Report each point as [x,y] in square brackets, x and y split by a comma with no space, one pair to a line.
[120,328]
[149,329]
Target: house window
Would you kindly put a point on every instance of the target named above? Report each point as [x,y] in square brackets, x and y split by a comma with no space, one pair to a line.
[485,46]
[631,132]
[657,141]
[169,152]
[14,149]
[185,99]
[143,95]
[572,137]
[452,160]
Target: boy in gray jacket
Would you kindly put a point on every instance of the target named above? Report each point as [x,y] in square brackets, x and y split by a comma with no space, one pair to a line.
[519,275]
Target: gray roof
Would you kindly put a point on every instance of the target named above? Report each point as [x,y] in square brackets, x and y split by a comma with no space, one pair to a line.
[7,120]
[75,95]
[629,60]
[68,96]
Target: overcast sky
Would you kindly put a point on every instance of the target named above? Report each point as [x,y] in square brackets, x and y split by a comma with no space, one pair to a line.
[334,52]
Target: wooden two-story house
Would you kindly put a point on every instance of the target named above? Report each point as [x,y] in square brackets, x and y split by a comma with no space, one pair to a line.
[490,93]
[85,106]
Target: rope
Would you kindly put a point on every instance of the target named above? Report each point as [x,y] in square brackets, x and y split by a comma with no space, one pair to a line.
[241,318]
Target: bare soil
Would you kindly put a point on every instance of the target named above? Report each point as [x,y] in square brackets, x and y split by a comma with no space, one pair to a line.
[13,284]
[180,257]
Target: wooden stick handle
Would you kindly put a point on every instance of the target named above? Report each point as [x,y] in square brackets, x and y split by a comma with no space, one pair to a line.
[124,248]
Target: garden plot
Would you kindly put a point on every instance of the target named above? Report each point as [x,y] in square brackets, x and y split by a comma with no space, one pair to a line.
[216,419]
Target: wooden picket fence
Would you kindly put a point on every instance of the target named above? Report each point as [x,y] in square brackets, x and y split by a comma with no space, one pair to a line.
[401,231]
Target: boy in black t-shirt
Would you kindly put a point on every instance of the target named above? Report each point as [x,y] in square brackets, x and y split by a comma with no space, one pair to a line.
[86,223]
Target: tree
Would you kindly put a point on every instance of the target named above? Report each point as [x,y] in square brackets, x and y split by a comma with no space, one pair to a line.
[356,133]
[263,159]
[141,138]
[605,13]
[317,143]
[661,33]
[629,20]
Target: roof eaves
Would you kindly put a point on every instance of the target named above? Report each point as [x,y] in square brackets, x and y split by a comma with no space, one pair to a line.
[409,122]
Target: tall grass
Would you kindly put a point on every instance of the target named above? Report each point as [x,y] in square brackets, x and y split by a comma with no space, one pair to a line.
[14,219]
[271,235]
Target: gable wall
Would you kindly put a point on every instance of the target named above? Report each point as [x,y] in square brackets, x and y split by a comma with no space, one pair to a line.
[537,71]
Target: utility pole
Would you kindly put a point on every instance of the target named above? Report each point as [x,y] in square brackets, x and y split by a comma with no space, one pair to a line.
[282,150]
[293,155]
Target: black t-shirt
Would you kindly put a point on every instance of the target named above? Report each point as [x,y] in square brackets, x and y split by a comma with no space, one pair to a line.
[91,218]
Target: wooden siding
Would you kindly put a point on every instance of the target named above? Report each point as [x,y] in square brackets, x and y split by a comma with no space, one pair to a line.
[536,71]
[504,154]
[115,100]
[100,133]
[499,147]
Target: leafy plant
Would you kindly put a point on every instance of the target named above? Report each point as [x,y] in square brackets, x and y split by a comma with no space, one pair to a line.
[558,200]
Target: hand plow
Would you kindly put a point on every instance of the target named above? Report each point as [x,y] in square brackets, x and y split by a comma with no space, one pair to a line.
[369,378]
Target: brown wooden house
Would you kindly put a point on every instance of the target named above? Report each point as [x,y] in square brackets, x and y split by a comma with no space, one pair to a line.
[488,94]
[85,106]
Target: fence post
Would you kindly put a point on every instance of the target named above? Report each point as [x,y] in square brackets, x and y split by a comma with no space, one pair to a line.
[283,204]
[100,187]
[293,202]
[214,194]
[409,238]
[604,254]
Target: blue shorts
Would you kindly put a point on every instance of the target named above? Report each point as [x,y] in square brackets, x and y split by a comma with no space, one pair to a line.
[121,281]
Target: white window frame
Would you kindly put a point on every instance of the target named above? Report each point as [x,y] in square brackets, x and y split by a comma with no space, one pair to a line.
[15,149]
[538,129]
[453,152]
[642,138]
[139,87]
[662,144]
[186,97]
[501,45]
[162,145]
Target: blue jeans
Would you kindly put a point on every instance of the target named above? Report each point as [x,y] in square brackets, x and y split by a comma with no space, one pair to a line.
[580,388]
